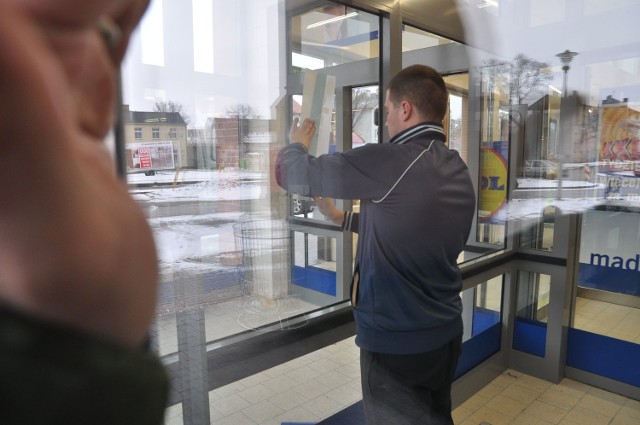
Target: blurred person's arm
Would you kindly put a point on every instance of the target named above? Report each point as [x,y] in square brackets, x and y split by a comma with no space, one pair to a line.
[78,272]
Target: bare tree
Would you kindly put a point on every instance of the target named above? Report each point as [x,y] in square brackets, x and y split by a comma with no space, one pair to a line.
[363,103]
[523,79]
[241,111]
[171,106]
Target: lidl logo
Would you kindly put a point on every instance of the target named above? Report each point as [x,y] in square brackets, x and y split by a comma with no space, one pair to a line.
[493,183]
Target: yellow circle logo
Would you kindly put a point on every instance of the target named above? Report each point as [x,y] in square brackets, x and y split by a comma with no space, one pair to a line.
[493,183]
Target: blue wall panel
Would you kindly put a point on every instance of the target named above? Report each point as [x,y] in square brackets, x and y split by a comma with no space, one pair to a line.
[611,279]
[314,278]
[530,337]
[478,349]
[604,356]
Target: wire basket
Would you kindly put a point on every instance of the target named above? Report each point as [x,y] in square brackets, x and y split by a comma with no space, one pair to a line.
[265,275]
[265,270]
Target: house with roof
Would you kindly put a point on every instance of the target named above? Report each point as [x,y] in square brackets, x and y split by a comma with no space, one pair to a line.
[154,140]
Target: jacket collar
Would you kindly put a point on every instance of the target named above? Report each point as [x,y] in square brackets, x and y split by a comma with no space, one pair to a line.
[408,134]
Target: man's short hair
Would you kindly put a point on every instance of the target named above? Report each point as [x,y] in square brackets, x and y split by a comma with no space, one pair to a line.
[424,87]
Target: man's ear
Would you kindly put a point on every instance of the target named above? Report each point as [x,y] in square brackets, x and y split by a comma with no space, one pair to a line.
[406,109]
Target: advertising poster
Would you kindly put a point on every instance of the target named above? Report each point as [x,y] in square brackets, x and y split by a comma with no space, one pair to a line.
[147,156]
[619,151]
[620,134]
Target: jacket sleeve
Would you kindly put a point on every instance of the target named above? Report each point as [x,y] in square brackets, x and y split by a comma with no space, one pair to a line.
[351,175]
[351,221]
[57,375]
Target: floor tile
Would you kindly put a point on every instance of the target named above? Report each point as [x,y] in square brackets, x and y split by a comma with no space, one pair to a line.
[323,406]
[262,411]
[599,405]
[490,416]
[506,405]
[546,412]
[582,416]
[520,393]
[289,400]
[559,399]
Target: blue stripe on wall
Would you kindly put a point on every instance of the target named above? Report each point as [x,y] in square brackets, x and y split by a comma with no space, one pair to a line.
[610,279]
[354,39]
[530,337]
[604,356]
[314,278]
[478,349]
[483,319]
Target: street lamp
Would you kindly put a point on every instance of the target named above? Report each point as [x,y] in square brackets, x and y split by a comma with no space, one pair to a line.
[565,57]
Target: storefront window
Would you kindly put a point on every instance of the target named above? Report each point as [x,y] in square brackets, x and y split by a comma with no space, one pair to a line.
[331,35]
[209,91]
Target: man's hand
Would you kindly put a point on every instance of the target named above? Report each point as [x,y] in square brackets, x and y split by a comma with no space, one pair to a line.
[74,247]
[304,132]
[328,209]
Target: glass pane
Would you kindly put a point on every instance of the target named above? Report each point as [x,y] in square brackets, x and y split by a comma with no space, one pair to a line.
[364,115]
[538,234]
[482,311]
[331,35]
[201,118]
[532,301]
[608,285]
[494,154]
[609,259]
[415,39]
[488,305]
[456,123]
[572,116]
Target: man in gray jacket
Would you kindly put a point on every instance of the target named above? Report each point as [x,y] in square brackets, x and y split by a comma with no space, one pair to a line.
[417,205]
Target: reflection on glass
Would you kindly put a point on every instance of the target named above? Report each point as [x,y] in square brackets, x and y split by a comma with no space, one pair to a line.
[456,122]
[539,235]
[205,99]
[487,307]
[574,149]
[494,153]
[200,131]
[482,310]
[331,35]
[415,39]
[314,270]
[610,319]
[364,119]
[532,301]
[302,206]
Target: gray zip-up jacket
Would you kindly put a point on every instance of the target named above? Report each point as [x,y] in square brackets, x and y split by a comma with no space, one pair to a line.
[417,205]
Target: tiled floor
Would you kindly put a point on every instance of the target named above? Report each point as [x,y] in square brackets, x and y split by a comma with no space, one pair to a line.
[613,320]
[315,386]
[515,398]
[307,389]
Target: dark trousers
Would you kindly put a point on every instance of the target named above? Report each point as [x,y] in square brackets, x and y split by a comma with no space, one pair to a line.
[409,389]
